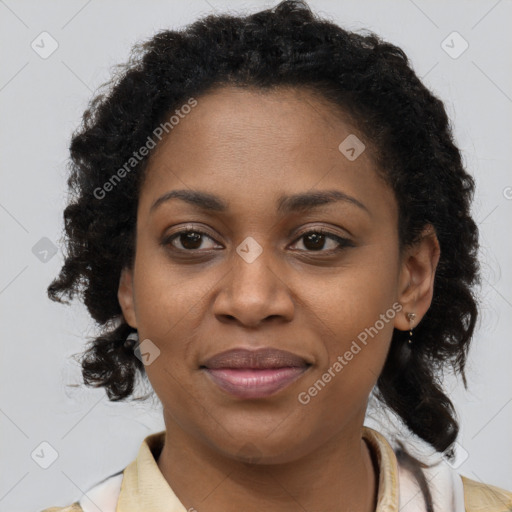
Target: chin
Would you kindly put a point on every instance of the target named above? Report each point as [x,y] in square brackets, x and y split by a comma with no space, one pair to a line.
[258,448]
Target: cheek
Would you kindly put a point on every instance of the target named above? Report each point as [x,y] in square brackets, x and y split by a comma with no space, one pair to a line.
[165,295]
[165,315]
[350,364]
[355,313]
[164,307]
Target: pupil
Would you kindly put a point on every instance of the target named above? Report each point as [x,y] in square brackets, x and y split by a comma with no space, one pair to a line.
[193,238]
[316,237]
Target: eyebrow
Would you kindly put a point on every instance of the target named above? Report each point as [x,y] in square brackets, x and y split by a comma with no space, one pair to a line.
[286,204]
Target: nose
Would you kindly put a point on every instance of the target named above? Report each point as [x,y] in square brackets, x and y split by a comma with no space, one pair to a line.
[253,292]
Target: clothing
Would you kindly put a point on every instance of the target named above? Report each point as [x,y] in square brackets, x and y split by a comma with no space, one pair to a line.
[141,487]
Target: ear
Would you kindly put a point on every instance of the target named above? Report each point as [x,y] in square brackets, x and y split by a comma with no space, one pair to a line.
[416,282]
[125,296]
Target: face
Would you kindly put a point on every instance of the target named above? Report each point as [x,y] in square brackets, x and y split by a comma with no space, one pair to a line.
[261,264]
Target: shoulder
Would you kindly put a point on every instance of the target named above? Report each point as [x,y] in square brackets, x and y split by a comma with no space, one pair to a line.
[102,496]
[74,507]
[480,497]
[449,489]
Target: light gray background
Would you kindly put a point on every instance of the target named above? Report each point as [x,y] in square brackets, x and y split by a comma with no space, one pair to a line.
[41,102]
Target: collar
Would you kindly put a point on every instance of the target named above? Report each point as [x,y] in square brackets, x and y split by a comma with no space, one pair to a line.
[142,487]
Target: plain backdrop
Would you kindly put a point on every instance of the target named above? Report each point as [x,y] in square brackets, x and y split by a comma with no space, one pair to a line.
[461,49]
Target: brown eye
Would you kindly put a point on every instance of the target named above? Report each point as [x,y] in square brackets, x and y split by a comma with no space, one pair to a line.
[190,240]
[315,241]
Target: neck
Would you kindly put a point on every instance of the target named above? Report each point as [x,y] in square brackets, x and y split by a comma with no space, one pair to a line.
[340,475]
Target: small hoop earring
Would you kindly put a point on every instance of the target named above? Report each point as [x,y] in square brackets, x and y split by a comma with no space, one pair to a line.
[411,317]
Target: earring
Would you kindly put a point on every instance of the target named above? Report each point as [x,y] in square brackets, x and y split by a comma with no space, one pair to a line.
[411,317]
[131,340]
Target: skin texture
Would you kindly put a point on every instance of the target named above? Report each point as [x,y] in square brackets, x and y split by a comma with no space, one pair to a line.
[249,147]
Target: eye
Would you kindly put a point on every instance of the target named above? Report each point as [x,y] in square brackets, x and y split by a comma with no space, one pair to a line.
[314,240]
[190,239]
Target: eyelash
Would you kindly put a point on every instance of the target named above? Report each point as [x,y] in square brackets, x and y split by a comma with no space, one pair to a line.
[343,242]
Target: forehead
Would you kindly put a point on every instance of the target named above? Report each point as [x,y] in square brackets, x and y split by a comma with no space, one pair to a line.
[251,146]
[282,116]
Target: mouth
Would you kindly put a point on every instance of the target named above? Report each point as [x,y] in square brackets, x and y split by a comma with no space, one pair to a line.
[254,373]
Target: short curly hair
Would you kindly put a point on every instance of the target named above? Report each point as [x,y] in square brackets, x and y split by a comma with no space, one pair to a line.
[372,82]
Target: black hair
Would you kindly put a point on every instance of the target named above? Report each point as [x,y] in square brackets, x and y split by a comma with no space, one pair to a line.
[371,80]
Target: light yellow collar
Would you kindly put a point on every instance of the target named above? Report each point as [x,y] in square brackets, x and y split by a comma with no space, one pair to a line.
[144,488]
[141,487]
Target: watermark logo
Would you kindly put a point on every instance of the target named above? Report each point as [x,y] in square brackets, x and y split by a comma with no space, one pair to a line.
[461,456]
[351,147]
[44,45]
[44,250]
[250,453]
[249,249]
[147,352]
[454,45]
[44,455]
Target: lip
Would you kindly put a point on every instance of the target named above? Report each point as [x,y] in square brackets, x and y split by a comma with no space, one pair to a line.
[256,359]
[258,373]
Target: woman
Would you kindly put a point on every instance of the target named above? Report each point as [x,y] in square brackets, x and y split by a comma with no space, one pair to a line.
[271,221]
